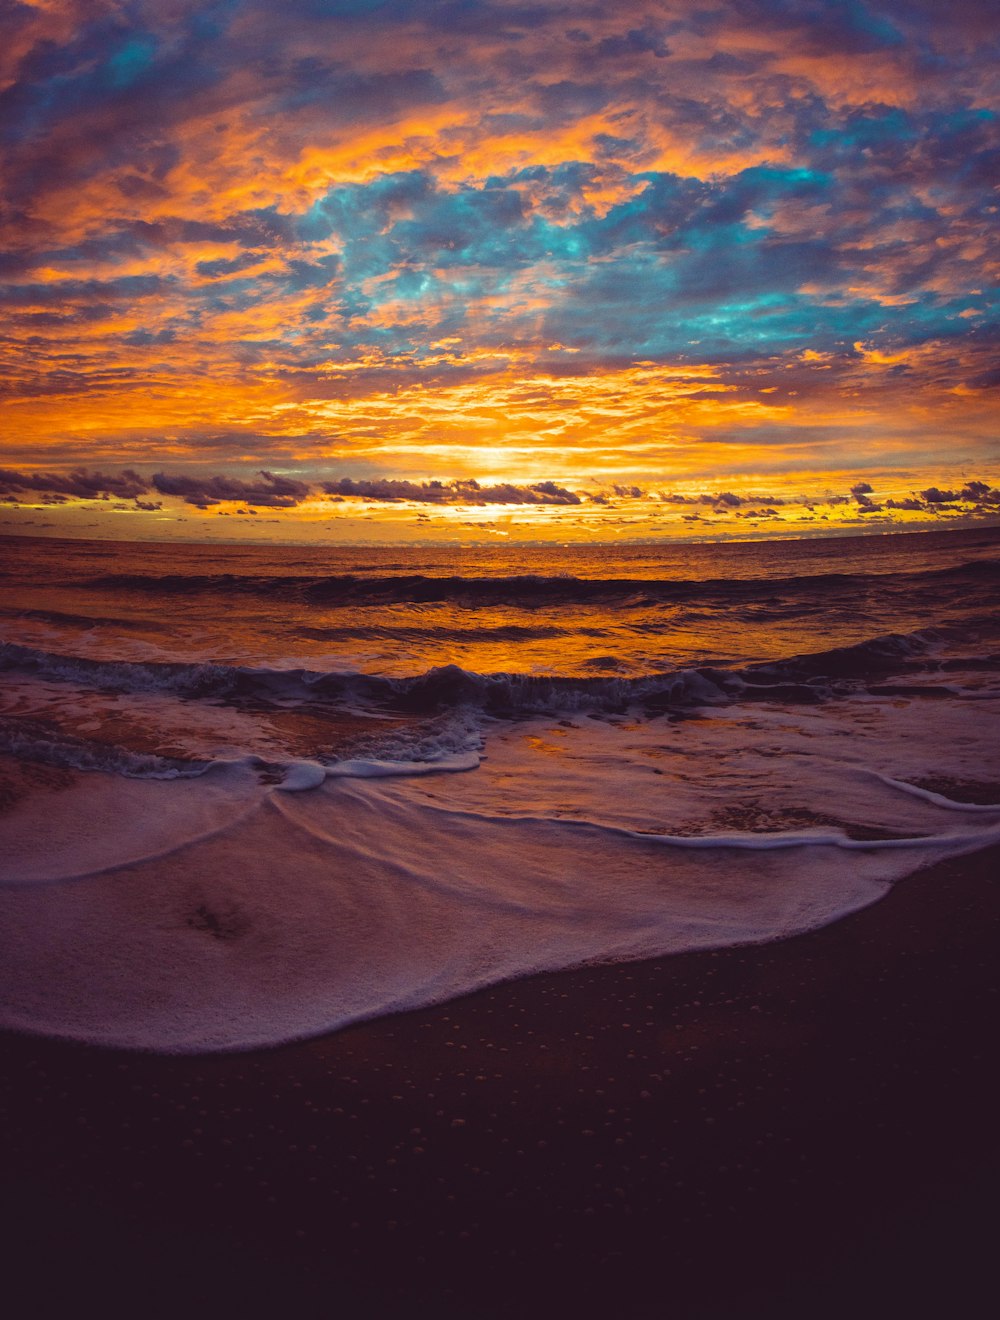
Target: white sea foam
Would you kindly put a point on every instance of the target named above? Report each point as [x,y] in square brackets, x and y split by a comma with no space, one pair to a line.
[229,914]
[102,821]
[938,799]
[299,776]
[362,769]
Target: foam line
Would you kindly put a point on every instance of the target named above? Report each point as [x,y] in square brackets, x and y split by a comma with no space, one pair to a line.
[937,799]
[360,769]
[747,842]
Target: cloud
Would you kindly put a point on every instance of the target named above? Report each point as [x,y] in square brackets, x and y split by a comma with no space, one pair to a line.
[466,492]
[720,500]
[861,490]
[910,504]
[973,492]
[312,224]
[636,41]
[273,492]
[80,483]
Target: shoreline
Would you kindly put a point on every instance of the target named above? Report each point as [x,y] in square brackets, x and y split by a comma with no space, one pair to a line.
[804,1127]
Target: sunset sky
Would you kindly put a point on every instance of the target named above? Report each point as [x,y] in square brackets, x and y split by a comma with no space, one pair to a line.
[391,269]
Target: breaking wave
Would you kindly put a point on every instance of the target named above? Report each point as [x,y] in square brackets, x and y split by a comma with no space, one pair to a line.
[804,678]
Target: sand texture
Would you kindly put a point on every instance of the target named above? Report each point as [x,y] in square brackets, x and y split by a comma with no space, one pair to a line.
[804,1128]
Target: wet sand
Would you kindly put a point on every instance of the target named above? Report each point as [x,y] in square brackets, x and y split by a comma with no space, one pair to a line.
[803,1129]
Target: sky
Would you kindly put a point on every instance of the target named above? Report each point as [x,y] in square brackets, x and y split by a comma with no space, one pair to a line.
[466,269]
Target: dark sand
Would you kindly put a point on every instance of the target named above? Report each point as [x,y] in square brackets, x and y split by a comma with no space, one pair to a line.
[806,1129]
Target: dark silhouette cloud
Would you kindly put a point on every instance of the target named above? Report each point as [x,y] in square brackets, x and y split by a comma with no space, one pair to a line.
[453,492]
[272,492]
[911,504]
[80,483]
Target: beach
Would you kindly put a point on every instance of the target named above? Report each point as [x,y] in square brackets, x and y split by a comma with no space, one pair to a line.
[499,660]
[804,1127]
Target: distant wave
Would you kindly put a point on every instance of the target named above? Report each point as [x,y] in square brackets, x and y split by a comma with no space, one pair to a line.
[507,632]
[64,618]
[530,590]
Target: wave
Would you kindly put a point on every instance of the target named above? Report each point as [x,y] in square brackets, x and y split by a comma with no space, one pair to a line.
[30,740]
[802,678]
[530,590]
[893,653]
[440,633]
[439,688]
[64,618]
[445,750]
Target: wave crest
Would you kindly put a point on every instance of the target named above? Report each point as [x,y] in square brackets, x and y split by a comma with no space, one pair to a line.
[809,677]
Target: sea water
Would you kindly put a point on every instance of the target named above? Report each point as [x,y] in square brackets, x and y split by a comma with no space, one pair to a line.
[249,793]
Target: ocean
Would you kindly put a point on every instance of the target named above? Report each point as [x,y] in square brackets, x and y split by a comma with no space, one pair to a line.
[250,794]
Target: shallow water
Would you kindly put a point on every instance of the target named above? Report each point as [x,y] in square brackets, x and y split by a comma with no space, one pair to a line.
[250,793]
